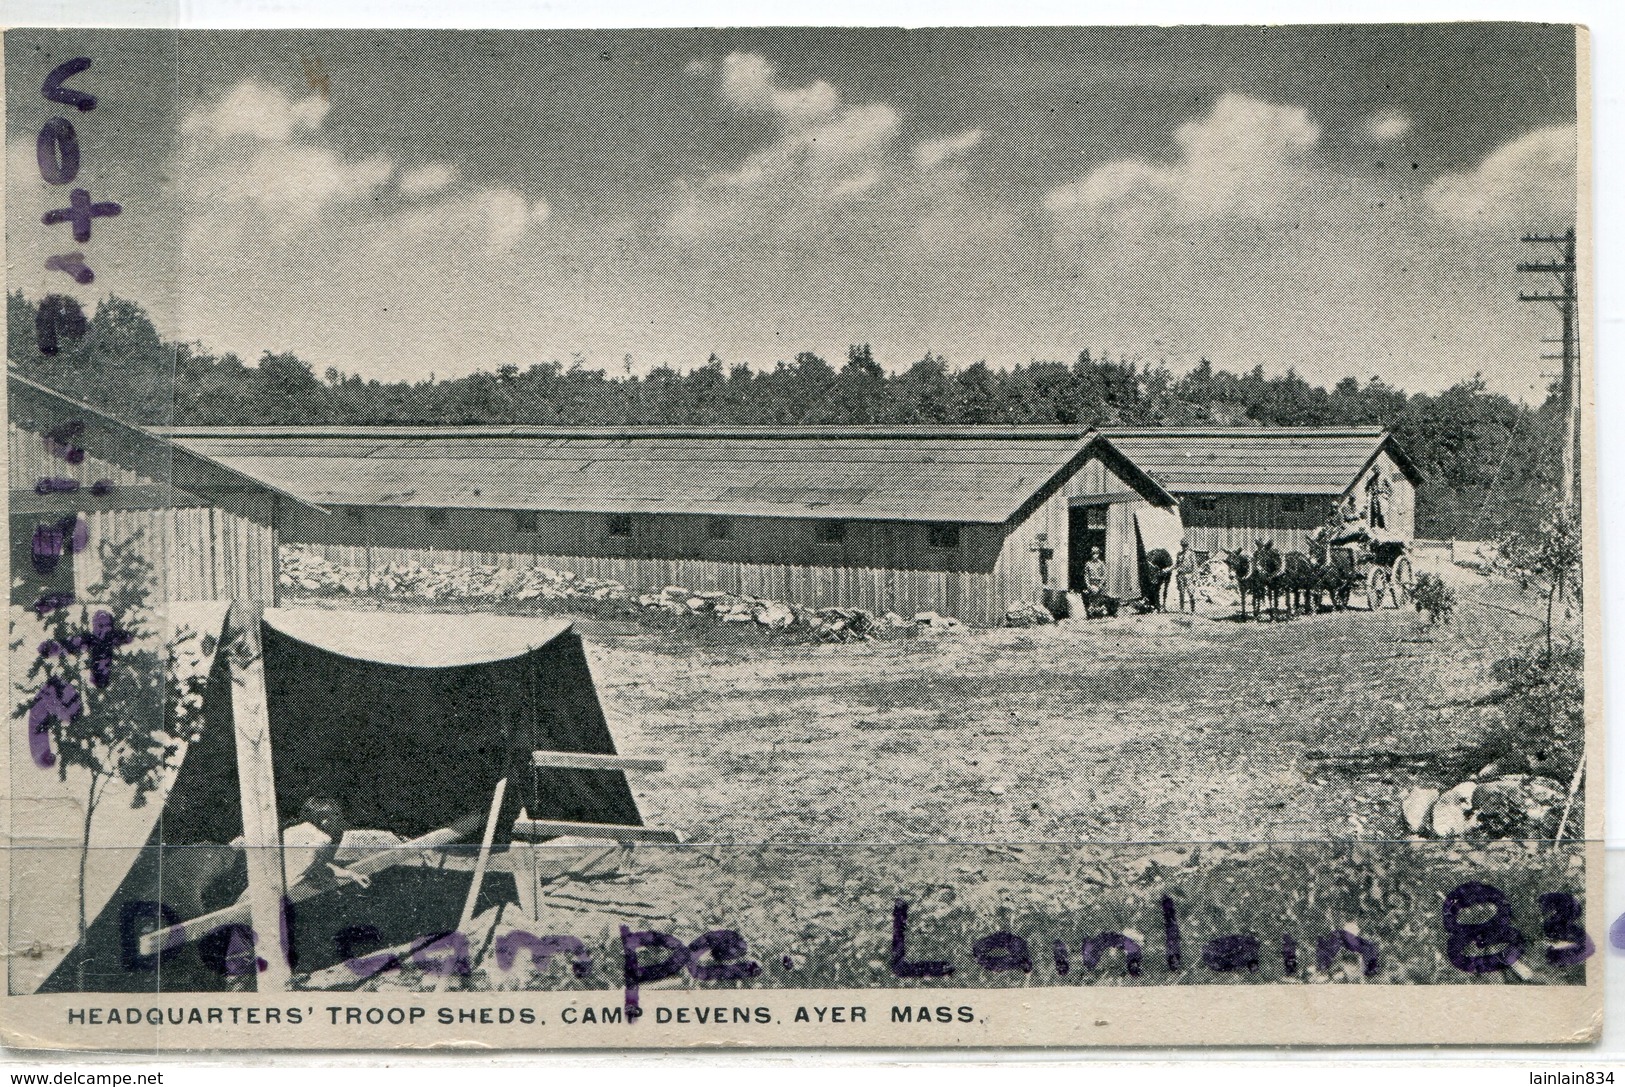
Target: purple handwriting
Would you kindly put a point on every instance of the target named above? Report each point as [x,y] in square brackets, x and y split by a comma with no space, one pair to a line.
[80,211]
[99,644]
[723,955]
[53,539]
[57,154]
[58,699]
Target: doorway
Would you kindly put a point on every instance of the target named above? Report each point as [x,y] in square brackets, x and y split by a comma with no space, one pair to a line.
[1086,530]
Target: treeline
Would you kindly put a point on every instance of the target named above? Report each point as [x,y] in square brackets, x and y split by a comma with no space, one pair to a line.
[1490,463]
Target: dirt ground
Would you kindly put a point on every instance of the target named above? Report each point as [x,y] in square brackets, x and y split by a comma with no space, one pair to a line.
[1142,729]
[1151,752]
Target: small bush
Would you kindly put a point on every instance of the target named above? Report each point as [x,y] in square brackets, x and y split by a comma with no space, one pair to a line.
[1542,727]
[1431,595]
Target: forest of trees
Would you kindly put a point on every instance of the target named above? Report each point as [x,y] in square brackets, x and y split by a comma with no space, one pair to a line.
[1490,463]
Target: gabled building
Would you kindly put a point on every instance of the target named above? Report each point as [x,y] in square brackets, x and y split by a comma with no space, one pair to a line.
[207,530]
[1237,484]
[959,520]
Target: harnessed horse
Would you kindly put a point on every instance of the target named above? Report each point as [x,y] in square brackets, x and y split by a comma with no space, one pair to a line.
[1159,569]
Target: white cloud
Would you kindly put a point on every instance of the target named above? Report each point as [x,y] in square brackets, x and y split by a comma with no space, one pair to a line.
[250,148]
[856,185]
[1386,125]
[1526,181]
[832,166]
[1246,159]
[256,111]
[748,81]
[929,153]
[292,182]
[428,178]
[256,155]
[495,218]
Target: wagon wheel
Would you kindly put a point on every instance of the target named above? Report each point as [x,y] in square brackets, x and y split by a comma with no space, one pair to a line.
[1404,580]
[1376,584]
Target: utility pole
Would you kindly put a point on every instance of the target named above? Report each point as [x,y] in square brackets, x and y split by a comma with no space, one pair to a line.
[1567,301]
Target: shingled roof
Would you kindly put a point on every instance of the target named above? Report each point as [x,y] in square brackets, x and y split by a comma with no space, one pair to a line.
[1262,460]
[182,475]
[964,474]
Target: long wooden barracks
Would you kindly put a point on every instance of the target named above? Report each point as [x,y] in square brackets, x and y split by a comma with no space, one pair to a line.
[206,530]
[959,520]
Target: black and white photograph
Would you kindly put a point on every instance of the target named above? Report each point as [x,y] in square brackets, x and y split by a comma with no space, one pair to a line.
[801,537]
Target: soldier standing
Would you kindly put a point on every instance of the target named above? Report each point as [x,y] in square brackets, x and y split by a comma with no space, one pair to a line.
[1185,569]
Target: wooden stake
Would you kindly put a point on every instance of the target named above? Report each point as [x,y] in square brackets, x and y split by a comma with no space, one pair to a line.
[467,917]
[262,834]
[485,854]
[1568,802]
[198,927]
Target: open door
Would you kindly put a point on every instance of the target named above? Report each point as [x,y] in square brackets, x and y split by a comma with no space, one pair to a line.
[1086,533]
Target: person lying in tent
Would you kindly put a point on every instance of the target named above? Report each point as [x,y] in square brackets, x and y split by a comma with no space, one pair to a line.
[309,846]
[193,876]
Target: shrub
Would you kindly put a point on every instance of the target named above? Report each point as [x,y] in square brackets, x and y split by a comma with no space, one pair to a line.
[1431,595]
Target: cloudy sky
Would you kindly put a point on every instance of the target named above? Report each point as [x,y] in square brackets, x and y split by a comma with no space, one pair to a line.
[1341,200]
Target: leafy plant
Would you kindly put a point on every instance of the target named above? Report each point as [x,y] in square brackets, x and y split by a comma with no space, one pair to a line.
[1542,698]
[1547,559]
[104,703]
[1430,594]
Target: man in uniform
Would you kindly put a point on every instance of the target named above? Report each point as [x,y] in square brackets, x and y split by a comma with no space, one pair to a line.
[1094,572]
[1379,491]
[1185,572]
[1094,585]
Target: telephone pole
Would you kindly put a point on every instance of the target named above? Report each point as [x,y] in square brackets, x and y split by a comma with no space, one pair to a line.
[1567,300]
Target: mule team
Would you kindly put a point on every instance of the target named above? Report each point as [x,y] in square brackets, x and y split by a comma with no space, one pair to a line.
[1267,578]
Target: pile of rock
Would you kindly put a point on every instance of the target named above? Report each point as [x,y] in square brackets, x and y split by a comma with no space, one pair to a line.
[1504,806]
[304,570]
[1025,613]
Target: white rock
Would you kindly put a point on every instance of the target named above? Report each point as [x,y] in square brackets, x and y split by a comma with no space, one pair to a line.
[1449,818]
[1417,805]
[777,616]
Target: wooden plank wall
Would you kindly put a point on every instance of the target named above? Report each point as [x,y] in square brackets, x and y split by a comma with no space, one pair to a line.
[1240,519]
[1017,575]
[200,553]
[881,566]
[196,554]
[789,541]
[1122,551]
[963,594]
[28,462]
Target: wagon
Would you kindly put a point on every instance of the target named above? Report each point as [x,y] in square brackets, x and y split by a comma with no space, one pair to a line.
[1384,565]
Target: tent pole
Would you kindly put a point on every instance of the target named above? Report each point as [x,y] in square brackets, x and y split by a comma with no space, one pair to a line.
[485,855]
[262,836]
[479,870]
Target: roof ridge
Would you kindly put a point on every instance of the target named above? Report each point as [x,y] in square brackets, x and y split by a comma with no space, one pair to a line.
[1245,431]
[974,432]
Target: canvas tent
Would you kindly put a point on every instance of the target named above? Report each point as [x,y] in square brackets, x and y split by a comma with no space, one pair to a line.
[409,722]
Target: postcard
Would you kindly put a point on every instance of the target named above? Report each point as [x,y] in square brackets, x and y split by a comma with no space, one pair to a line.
[801,537]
